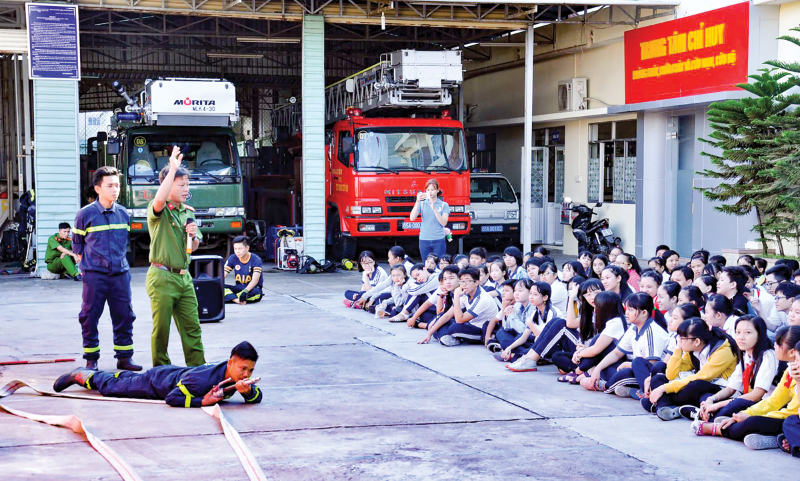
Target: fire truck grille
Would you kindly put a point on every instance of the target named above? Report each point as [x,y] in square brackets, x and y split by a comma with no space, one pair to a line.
[399,209]
[409,199]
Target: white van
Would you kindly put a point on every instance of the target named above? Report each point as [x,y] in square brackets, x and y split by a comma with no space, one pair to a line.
[493,209]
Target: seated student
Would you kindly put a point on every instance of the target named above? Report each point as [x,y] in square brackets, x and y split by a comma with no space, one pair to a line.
[497,276]
[692,295]
[395,256]
[718,259]
[731,284]
[746,260]
[657,264]
[644,370]
[785,294]
[59,257]
[599,262]
[707,284]
[541,251]
[615,280]
[683,276]
[571,269]
[372,275]
[613,253]
[444,261]
[432,262]
[796,276]
[472,307]
[559,296]
[435,303]
[668,298]
[246,270]
[672,261]
[393,305]
[561,337]
[755,294]
[778,274]
[698,262]
[527,256]
[508,307]
[609,326]
[424,283]
[461,261]
[542,310]
[513,327]
[477,256]
[513,260]
[532,267]
[643,340]
[178,386]
[719,313]
[713,269]
[649,283]
[709,351]
[585,258]
[756,369]
[661,249]
[629,263]
[760,424]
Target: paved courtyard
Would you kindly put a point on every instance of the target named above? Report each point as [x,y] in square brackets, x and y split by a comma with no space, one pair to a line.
[346,396]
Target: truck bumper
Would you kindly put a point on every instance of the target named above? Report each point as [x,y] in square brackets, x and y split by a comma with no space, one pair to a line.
[217,225]
[369,226]
[494,231]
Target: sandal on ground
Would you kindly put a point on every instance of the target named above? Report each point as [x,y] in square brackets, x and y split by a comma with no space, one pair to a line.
[399,318]
[781,439]
[575,378]
[697,427]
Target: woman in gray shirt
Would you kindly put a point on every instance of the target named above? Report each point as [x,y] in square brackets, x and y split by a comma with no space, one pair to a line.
[434,213]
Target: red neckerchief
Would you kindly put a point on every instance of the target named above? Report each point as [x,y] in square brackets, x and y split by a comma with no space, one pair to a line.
[746,375]
[788,382]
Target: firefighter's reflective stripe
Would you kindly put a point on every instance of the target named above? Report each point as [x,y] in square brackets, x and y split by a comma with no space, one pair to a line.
[186,392]
[91,349]
[99,228]
[255,394]
[123,348]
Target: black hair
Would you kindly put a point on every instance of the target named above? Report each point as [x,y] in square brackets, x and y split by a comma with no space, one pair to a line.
[64,225]
[585,254]
[633,261]
[525,282]
[751,261]
[417,267]
[541,250]
[721,260]
[484,269]
[793,264]
[658,261]
[788,289]
[398,252]
[245,350]
[587,311]
[780,272]
[710,281]
[457,258]
[494,258]
[653,274]
[763,344]
[788,336]
[537,261]
[366,255]
[713,269]
[502,266]
[474,273]
[180,172]
[548,265]
[578,280]
[761,265]
[547,259]
[510,283]
[695,295]
[401,268]
[796,273]
[515,253]
[702,254]
[666,255]
[107,170]
[478,251]
[671,288]
[603,258]
[720,303]
[446,258]
[607,306]
[641,302]
[528,254]
[736,275]
[751,272]
[544,289]
[577,267]
[452,268]
[713,336]
[688,311]
[241,239]
[618,272]
[687,272]
[434,257]
[662,247]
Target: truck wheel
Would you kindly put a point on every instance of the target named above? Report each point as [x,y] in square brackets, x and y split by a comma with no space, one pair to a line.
[342,246]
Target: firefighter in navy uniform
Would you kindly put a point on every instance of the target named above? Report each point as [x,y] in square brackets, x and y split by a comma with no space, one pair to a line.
[178,386]
[100,239]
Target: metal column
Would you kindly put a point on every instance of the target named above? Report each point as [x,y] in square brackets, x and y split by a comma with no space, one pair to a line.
[527,147]
[26,119]
[313,112]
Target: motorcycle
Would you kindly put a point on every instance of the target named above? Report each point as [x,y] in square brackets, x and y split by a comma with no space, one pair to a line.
[594,236]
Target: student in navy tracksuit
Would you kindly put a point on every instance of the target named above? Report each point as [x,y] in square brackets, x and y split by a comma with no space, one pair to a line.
[100,239]
[178,386]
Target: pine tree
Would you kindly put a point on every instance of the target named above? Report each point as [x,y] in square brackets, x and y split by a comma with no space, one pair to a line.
[742,135]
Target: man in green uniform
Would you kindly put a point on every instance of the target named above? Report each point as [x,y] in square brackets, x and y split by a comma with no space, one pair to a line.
[173,236]
[59,258]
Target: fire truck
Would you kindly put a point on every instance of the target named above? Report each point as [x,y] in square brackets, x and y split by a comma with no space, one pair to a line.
[197,115]
[388,132]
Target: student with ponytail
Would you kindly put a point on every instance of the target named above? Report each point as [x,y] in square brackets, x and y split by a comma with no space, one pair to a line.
[692,295]
[668,298]
[709,352]
[615,280]
[706,283]
[719,313]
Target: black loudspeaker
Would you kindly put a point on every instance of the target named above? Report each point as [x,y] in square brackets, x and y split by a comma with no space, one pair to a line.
[209,287]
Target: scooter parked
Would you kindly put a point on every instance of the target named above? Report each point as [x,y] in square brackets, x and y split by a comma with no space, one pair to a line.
[594,236]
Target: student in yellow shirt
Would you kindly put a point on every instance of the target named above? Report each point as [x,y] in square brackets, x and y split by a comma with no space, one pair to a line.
[759,425]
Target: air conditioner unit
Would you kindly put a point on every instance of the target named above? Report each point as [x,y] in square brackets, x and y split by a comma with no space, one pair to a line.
[572,95]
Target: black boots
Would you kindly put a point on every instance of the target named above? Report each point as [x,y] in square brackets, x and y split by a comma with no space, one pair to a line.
[78,376]
[127,364]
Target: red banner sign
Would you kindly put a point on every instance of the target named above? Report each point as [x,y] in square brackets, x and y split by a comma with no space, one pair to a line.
[692,55]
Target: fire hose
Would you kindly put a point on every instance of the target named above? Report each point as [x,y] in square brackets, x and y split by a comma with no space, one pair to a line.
[127,473]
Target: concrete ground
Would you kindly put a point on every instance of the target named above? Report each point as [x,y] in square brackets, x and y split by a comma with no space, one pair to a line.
[346,396]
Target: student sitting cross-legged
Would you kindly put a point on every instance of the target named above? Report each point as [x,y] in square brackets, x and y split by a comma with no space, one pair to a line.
[539,312]
[419,287]
[472,307]
[371,275]
[393,304]
[434,305]
[512,339]
[510,313]
[760,425]
[246,270]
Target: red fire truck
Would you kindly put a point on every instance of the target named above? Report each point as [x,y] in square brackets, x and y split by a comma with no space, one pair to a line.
[389,131]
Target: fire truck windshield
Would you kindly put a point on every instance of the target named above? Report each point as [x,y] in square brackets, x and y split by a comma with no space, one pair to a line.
[205,156]
[410,148]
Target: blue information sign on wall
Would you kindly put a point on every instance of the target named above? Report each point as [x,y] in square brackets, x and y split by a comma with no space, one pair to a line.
[53,43]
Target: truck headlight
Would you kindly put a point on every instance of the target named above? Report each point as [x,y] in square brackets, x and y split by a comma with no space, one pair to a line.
[230,211]
[458,209]
[139,212]
[377,210]
[240,211]
[459,226]
[512,214]
[219,211]
[356,209]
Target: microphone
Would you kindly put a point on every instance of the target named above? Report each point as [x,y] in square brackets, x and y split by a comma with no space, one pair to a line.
[188,237]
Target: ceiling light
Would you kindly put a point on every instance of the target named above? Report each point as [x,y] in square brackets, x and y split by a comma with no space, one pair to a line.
[268,39]
[235,55]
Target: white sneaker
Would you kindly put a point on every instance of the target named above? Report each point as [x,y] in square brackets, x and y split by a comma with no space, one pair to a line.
[523,364]
[449,341]
[760,441]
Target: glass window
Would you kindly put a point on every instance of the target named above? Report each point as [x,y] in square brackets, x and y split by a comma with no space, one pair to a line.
[604,131]
[411,148]
[204,155]
[612,164]
[626,129]
[490,189]
[344,158]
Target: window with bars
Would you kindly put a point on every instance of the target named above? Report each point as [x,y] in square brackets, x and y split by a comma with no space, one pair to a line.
[612,162]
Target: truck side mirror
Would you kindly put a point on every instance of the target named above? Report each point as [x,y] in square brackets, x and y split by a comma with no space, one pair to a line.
[112,147]
[348,145]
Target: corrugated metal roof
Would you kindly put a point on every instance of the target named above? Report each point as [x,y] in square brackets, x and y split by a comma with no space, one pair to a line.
[13,41]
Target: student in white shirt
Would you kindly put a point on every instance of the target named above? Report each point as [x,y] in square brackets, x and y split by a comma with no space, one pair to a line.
[371,275]
[513,260]
[421,284]
[438,302]
[644,339]
[513,336]
[472,307]
[785,294]
[508,308]
[396,256]
[719,313]
[549,274]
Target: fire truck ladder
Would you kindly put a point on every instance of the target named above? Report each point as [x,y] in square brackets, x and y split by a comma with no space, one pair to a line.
[402,79]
